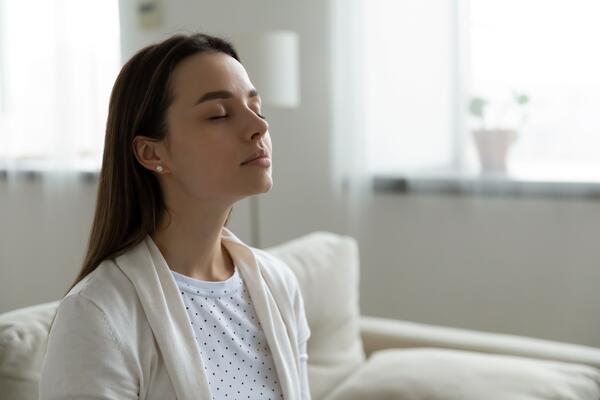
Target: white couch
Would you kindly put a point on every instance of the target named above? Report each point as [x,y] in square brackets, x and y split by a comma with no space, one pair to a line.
[359,357]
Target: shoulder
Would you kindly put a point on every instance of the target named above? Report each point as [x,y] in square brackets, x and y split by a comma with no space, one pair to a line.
[95,312]
[89,346]
[108,290]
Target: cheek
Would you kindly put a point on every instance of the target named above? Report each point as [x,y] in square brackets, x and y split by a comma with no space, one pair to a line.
[207,158]
[204,170]
[198,159]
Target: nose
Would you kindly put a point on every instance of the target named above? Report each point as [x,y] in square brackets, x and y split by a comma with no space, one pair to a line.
[257,127]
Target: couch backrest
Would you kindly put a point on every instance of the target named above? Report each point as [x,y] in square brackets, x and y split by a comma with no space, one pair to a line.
[23,337]
[326,266]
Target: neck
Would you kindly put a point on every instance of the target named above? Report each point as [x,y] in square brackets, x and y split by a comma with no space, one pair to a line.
[191,244]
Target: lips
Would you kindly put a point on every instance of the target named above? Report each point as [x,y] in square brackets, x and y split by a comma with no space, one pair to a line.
[256,155]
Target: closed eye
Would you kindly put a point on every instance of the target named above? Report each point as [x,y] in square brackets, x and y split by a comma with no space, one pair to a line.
[227,115]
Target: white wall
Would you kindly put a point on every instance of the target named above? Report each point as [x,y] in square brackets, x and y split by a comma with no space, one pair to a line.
[43,232]
[520,266]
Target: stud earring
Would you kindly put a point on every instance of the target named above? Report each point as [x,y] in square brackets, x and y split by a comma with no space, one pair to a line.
[159,169]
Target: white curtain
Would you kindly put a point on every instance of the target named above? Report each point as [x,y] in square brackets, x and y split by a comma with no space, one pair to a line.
[58,61]
[350,175]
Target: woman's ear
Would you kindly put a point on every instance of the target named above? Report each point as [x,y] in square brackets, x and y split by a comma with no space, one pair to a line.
[150,153]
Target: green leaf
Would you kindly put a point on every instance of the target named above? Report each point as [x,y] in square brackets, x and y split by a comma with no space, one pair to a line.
[521,98]
[477,106]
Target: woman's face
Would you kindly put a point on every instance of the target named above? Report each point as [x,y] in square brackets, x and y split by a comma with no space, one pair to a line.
[213,127]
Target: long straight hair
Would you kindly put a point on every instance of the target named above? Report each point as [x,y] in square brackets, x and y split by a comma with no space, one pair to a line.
[130,202]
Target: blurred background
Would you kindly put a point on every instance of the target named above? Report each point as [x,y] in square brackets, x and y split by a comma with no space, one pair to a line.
[456,140]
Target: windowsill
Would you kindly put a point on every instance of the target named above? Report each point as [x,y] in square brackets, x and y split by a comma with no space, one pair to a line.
[461,183]
[86,169]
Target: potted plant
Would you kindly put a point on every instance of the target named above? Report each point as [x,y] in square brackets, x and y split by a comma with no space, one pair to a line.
[493,139]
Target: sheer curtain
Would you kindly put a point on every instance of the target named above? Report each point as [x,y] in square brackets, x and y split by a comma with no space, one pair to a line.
[392,98]
[350,175]
[58,61]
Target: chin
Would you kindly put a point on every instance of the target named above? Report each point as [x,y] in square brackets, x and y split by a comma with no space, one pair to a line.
[267,186]
[259,188]
[255,185]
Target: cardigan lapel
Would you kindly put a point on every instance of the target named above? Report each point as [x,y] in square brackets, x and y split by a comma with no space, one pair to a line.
[165,311]
[268,313]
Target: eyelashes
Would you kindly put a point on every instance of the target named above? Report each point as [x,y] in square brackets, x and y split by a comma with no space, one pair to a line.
[227,115]
[219,117]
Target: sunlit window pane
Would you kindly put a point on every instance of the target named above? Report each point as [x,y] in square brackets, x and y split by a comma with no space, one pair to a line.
[548,51]
[57,68]
[408,59]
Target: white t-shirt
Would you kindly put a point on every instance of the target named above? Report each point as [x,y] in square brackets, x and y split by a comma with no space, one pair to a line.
[234,350]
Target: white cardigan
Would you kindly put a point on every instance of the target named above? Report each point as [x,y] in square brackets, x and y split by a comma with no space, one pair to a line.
[123,332]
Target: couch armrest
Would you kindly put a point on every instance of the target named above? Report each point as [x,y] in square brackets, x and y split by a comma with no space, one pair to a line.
[383,333]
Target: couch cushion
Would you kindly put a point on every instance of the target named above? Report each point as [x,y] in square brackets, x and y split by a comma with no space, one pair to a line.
[442,374]
[23,337]
[327,268]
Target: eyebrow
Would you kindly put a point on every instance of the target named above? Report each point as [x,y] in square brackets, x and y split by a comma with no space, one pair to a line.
[222,94]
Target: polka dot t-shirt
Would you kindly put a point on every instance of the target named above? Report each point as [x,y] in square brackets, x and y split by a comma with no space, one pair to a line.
[237,358]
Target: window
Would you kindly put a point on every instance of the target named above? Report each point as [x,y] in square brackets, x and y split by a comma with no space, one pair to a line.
[408,92]
[58,62]
[548,52]
[437,71]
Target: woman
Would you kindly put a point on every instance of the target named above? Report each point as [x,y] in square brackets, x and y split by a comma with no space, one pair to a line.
[169,303]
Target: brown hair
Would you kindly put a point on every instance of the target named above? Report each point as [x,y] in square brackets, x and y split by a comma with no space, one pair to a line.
[130,201]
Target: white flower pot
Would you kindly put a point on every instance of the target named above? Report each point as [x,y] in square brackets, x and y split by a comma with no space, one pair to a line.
[493,146]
